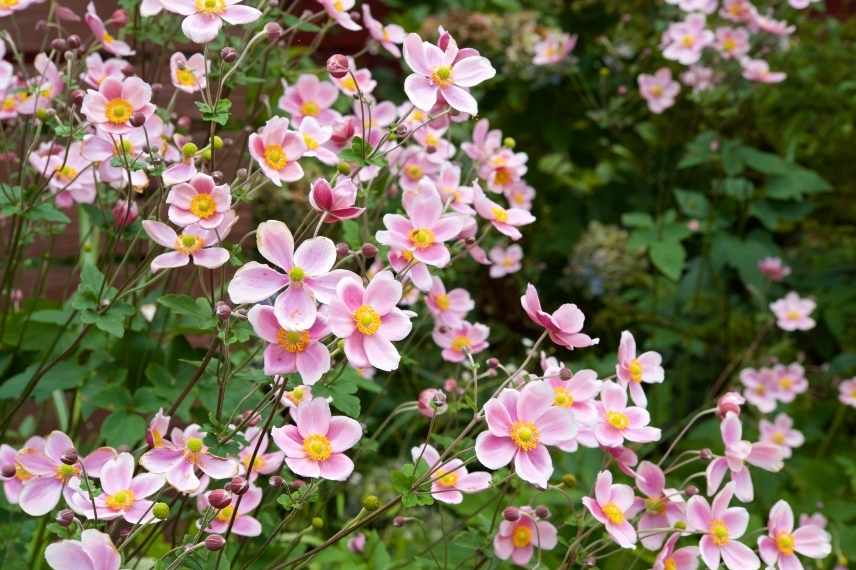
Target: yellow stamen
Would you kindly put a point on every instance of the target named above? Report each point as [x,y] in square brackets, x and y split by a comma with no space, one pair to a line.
[317,447]
[211,6]
[499,214]
[719,533]
[785,543]
[442,76]
[118,111]
[310,108]
[461,343]
[185,76]
[562,398]
[613,513]
[225,514]
[525,435]
[421,238]
[121,500]
[187,243]
[292,341]
[203,206]
[618,420]
[635,369]
[275,156]
[521,537]
[442,301]
[367,320]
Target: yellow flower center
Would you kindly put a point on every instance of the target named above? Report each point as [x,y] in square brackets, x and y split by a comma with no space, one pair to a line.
[613,513]
[185,76]
[296,274]
[499,214]
[8,3]
[447,479]
[338,5]
[442,301]
[310,142]
[461,343]
[317,447]
[258,464]
[22,474]
[118,111]
[760,389]
[407,255]
[719,533]
[157,438]
[67,173]
[521,537]
[688,41]
[65,472]
[203,206]
[562,398]
[310,108]
[785,543]
[296,395]
[225,514]
[123,147]
[431,139]
[525,435]
[503,177]
[657,90]
[414,171]
[635,369]
[348,84]
[670,564]
[617,420]
[211,6]
[442,76]
[421,238]
[9,103]
[779,438]
[292,341]
[656,506]
[194,444]
[367,320]
[188,243]
[275,156]
[107,38]
[786,382]
[728,44]
[793,315]
[121,500]
[518,198]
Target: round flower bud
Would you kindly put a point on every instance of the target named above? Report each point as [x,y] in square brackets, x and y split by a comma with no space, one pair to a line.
[241,173]
[298,484]
[691,491]
[73,41]
[569,481]
[337,66]
[492,363]
[69,457]
[509,142]
[729,402]
[219,499]
[229,54]
[59,44]
[399,521]
[160,510]
[138,119]
[217,175]
[184,122]
[206,154]
[65,517]
[273,31]
[680,525]
[44,114]
[189,149]
[77,97]
[705,454]
[371,502]
[542,512]
[565,373]
[250,418]
[368,250]
[119,17]
[239,485]
[276,482]
[217,142]
[401,131]
[450,385]
[343,168]
[342,249]
[214,542]
[317,523]
[511,514]
[223,310]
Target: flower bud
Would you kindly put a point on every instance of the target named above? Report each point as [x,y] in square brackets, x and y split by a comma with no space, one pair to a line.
[317,523]
[250,418]
[337,66]
[705,454]
[542,512]
[206,154]
[401,131]
[43,114]
[217,175]
[9,471]
[276,482]
[492,363]
[124,213]
[238,485]
[184,122]
[59,44]
[138,119]
[368,250]
[77,97]
[358,543]
[680,525]
[399,521]
[729,402]
[343,168]
[189,149]
[65,517]
[298,484]
[160,510]
[371,503]
[217,142]
[214,542]
[565,373]
[273,31]
[569,481]
[73,41]
[119,17]
[229,54]
[219,499]
[69,457]
[511,514]
[509,142]
[223,310]
[450,385]
[691,491]
[342,249]
[432,402]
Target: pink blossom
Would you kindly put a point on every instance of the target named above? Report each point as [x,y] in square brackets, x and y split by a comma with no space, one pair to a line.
[369,321]
[772,26]
[504,169]
[310,97]
[432,402]
[450,480]
[553,48]
[314,446]
[659,90]
[116,102]
[97,70]
[99,30]
[188,74]
[790,381]
[738,11]
[13,484]
[441,72]
[684,41]
[150,8]
[200,202]
[759,70]
[448,308]
[780,432]
[661,508]
[801,4]
[704,6]
[438,149]
[358,543]
[315,137]
[485,142]
[289,350]
[387,36]
[773,268]
[782,543]
[847,392]
[195,244]
[505,220]
[739,452]
[69,180]
[417,272]
[337,203]
[617,422]
[244,524]
[124,213]
[563,326]
[204,18]
[520,195]
[185,452]
[760,388]
[576,395]
[460,340]
[157,429]
[721,526]
[277,150]
[732,43]
[613,506]
[625,458]
[521,424]
[339,11]
[356,81]
[700,78]
[633,370]
[681,559]
[793,313]
[817,519]
[505,260]
[518,540]
[94,551]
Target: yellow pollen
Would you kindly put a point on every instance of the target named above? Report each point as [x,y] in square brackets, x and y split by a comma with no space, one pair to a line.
[562,398]
[310,142]
[521,537]
[503,177]
[258,464]
[793,315]
[317,447]
[613,513]
[518,198]
[338,5]
[461,343]
[760,389]
[9,3]
[367,320]
[296,395]
[348,84]
[67,173]
[211,6]
[118,111]
[499,214]
[185,76]
[447,479]
[785,543]
[407,255]
[194,444]
[618,420]
[431,139]
[121,500]
[22,474]
[635,369]
[310,108]
[157,438]
[107,38]
[688,41]
[442,301]
[442,76]
[655,506]
[779,438]
[65,472]
[414,171]
[9,103]
[421,238]
[297,274]
[525,435]
[275,156]
[203,206]
[225,514]
[786,382]
[292,341]
[418,115]
[657,90]
[670,564]
[719,533]
[124,146]
[187,243]
[728,44]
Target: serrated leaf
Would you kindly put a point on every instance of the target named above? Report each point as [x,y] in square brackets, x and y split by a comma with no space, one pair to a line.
[122,428]
[668,257]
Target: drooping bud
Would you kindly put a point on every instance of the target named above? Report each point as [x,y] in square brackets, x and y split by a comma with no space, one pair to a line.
[358,543]
[184,122]
[65,517]
[223,310]
[542,512]
[399,521]
[691,491]
[276,482]
[214,542]
[77,97]
[59,44]
[337,66]
[432,402]
[401,131]
[238,485]
[729,402]
[73,41]
[368,250]
[705,454]
[511,514]
[273,31]
[189,149]
[160,510]
[298,484]
[138,119]
[219,498]
[119,17]
[229,54]
[492,363]
[565,373]
[342,249]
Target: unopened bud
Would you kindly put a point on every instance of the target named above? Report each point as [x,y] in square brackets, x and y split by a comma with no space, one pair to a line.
[371,502]
[276,482]
[511,514]
[492,363]
[184,122]
[65,517]
[730,402]
[542,512]
[119,17]
[77,97]
[59,44]
[160,510]
[239,485]
[214,542]
[69,457]
[44,114]
[223,310]
[343,168]
[705,454]
[73,41]
[368,250]
[138,119]
[273,31]
[298,484]
[317,523]
[565,373]
[229,54]
[250,418]
[691,491]
[219,498]
[401,131]
[399,521]
[217,175]
[509,142]
[206,154]
[569,481]
[189,149]
[337,66]
[216,142]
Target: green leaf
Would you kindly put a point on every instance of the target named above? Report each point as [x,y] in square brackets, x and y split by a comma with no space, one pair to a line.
[342,390]
[292,21]
[186,305]
[122,428]
[699,150]
[692,204]
[637,220]
[351,234]
[218,114]
[795,184]
[668,257]
[774,215]
[738,188]
[47,212]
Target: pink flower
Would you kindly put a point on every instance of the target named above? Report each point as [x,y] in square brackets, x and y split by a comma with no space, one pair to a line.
[632,371]
[738,453]
[337,202]
[94,551]
[760,388]
[790,380]
[759,70]
[721,526]
[244,524]
[847,392]
[555,47]
[124,213]
[625,458]
[505,220]
[357,544]
[503,170]
[612,505]
[705,6]
[793,313]
[658,90]
[116,101]
[682,559]
[729,402]
[387,36]
[450,480]
[563,326]
[203,18]
[462,339]
[781,433]
[782,544]
[485,142]
[617,422]
[179,458]
[199,202]
[111,44]
[521,424]
[519,539]
[339,11]
[13,483]
[520,195]
[369,321]
[773,268]
[97,70]
[314,447]
[448,309]
[505,260]
[150,8]
[314,137]
[310,97]
[661,508]
[423,231]
[449,186]
[738,10]
[356,81]
[700,78]
[194,244]
[277,150]
[188,74]
[122,494]
[432,402]
[441,72]
[417,272]
[684,41]
[817,519]
[577,394]
[732,43]
[157,429]
[291,351]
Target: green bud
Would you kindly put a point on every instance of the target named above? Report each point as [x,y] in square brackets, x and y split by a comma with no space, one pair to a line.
[509,142]
[206,154]
[189,149]
[42,114]
[569,481]
[344,168]
[680,525]
[160,511]
[216,142]
[371,503]
[317,522]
